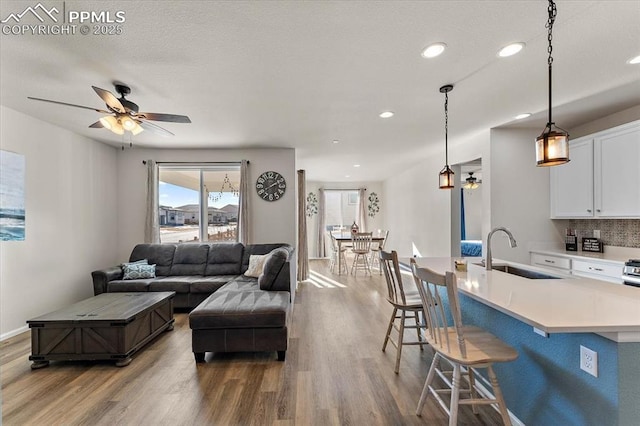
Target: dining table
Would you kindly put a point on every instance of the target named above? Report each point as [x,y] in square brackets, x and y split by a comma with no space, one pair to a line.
[344,237]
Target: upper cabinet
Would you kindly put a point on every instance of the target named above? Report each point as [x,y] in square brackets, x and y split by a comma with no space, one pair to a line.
[602,180]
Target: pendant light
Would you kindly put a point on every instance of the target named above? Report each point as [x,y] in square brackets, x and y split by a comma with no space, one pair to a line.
[552,146]
[446,174]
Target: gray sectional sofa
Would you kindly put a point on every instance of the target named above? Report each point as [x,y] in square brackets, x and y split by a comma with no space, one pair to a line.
[231,312]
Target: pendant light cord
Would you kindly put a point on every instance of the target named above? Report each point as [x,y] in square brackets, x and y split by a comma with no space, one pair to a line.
[446,128]
[552,17]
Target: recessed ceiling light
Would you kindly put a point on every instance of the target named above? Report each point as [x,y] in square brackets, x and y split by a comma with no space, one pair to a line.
[347,176]
[511,49]
[336,141]
[356,165]
[521,116]
[386,114]
[634,61]
[433,50]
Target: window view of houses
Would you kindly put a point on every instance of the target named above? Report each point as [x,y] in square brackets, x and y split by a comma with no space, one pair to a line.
[186,194]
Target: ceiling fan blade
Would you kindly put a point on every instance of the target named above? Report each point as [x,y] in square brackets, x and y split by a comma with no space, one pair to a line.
[71,105]
[97,125]
[110,99]
[154,128]
[173,118]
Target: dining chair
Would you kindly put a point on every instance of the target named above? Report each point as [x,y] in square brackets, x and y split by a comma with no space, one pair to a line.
[406,303]
[465,347]
[337,258]
[361,249]
[376,248]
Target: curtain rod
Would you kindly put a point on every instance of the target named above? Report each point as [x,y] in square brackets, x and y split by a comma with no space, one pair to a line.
[196,162]
[343,189]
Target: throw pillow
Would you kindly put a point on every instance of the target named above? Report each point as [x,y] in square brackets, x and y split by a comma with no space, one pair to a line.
[139,271]
[256,262]
[272,266]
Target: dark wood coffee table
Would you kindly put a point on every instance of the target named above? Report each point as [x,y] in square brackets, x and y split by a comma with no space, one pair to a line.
[110,326]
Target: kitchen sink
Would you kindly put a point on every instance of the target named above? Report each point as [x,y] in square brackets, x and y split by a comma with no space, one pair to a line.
[526,273]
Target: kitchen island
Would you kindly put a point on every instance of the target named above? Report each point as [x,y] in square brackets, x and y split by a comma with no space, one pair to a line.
[547,321]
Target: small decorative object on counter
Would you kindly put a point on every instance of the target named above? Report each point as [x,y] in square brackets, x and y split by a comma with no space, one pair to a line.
[461,265]
[571,240]
[593,245]
[354,228]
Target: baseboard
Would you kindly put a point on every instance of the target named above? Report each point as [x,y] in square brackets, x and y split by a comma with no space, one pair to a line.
[15,332]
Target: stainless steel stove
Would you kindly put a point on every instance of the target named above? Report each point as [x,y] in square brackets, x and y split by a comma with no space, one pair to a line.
[631,272]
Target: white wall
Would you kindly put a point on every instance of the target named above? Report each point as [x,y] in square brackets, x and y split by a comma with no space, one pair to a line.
[270,222]
[519,194]
[372,223]
[473,212]
[70,224]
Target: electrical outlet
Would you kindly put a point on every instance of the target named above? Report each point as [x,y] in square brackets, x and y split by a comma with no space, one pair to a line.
[596,233]
[589,361]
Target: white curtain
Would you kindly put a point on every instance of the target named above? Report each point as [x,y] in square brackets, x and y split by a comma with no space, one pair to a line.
[243,214]
[152,222]
[321,223]
[362,213]
[303,253]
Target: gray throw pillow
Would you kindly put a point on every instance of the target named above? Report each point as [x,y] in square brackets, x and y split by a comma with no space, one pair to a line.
[272,266]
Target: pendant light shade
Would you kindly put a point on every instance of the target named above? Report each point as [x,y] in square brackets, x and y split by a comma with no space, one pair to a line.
[552,146]
[446,177]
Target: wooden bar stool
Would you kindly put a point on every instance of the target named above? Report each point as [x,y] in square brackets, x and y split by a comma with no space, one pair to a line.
[465,347]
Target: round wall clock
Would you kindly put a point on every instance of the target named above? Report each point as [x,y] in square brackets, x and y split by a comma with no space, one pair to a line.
[271,186]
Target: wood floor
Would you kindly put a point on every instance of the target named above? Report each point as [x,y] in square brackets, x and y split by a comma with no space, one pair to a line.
[335,374]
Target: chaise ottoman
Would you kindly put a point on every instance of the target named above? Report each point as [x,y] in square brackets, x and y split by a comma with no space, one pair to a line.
[240,321]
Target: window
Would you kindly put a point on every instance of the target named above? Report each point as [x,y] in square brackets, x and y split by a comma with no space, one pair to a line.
[341,208]
[198,202]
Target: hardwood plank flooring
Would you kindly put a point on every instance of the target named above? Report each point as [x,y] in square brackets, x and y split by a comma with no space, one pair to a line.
[335,373]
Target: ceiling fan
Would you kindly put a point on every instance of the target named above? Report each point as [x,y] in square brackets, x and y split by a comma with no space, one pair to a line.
[471,182]
[123,114]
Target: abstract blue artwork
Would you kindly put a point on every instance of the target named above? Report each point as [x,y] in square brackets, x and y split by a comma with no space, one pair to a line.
[12,177]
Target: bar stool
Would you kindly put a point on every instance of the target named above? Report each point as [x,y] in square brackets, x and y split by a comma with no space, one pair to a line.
[406,301]
[467,347]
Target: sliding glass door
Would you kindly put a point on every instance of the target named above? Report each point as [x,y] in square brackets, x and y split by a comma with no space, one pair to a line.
[198,202]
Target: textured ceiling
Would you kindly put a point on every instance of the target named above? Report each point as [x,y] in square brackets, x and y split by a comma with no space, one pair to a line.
[301,74]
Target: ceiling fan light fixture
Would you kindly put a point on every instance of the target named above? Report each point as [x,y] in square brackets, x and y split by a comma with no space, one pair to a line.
[471,182]
[111,123]
[137,129]
[127,122]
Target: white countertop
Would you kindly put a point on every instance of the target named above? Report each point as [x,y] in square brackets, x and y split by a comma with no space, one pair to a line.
[566,305]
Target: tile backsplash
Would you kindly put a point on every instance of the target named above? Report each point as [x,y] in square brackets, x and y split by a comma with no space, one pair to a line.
[613,232]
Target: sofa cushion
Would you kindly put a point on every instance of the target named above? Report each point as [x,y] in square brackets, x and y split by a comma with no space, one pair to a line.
[159,254]
[256,263]
[209,284]
[259,249]
[224,259]
[241,309]
[272,266]
[116,286]
[242,283]
[189,259]
[134,271]
[179,284]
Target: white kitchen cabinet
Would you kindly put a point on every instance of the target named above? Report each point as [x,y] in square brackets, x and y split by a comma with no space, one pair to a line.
[599,270]
[602,180]
[551,261]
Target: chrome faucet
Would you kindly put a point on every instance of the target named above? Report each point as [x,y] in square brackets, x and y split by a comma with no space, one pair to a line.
[512,243]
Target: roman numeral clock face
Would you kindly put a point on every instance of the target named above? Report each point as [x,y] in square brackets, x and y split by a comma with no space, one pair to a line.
[271,186]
